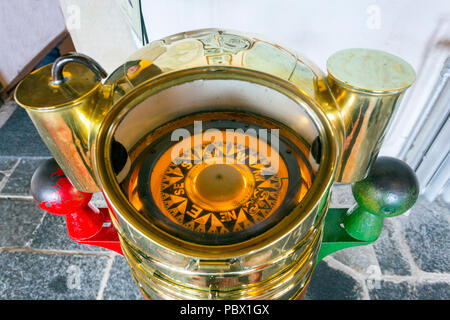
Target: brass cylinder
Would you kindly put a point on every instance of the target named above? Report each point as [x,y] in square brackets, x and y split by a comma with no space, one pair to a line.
[66,112]
[368,86]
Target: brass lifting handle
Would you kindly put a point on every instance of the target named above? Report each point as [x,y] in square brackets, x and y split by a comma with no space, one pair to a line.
[58,66]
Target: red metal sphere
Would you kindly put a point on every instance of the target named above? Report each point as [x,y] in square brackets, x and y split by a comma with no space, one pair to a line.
[54,192]
[86,224]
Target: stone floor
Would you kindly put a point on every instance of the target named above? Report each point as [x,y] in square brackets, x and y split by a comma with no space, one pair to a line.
[38,260]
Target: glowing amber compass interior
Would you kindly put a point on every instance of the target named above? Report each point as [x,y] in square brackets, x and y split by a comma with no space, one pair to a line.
[218,194]
[216,190]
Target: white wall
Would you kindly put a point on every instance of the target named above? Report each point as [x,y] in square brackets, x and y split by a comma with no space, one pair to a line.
[99,30]
[318,29]
[26,28]
[411,29]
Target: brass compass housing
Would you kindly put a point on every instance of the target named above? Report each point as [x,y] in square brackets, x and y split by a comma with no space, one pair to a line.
[225,225]
[180,219]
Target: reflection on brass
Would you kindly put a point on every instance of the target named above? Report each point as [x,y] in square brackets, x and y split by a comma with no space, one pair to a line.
[67,116]
[367,85]
[286,280]
[216,230]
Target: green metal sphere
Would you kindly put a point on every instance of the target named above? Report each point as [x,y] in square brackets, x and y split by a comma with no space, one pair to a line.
[390,189]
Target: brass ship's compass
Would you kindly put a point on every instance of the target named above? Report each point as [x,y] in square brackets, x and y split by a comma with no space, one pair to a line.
[220,189]
[200,215]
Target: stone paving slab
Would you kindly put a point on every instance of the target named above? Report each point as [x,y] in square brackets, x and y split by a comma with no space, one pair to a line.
[391,259]
[7,164]
[361,259]
[426,230]
[341,196]
[433,291]
[330,284]
[387,290]
[6,168]
[121,285]
[34,276]
[19,181]
[18,222]
[19,137]
[6,110]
